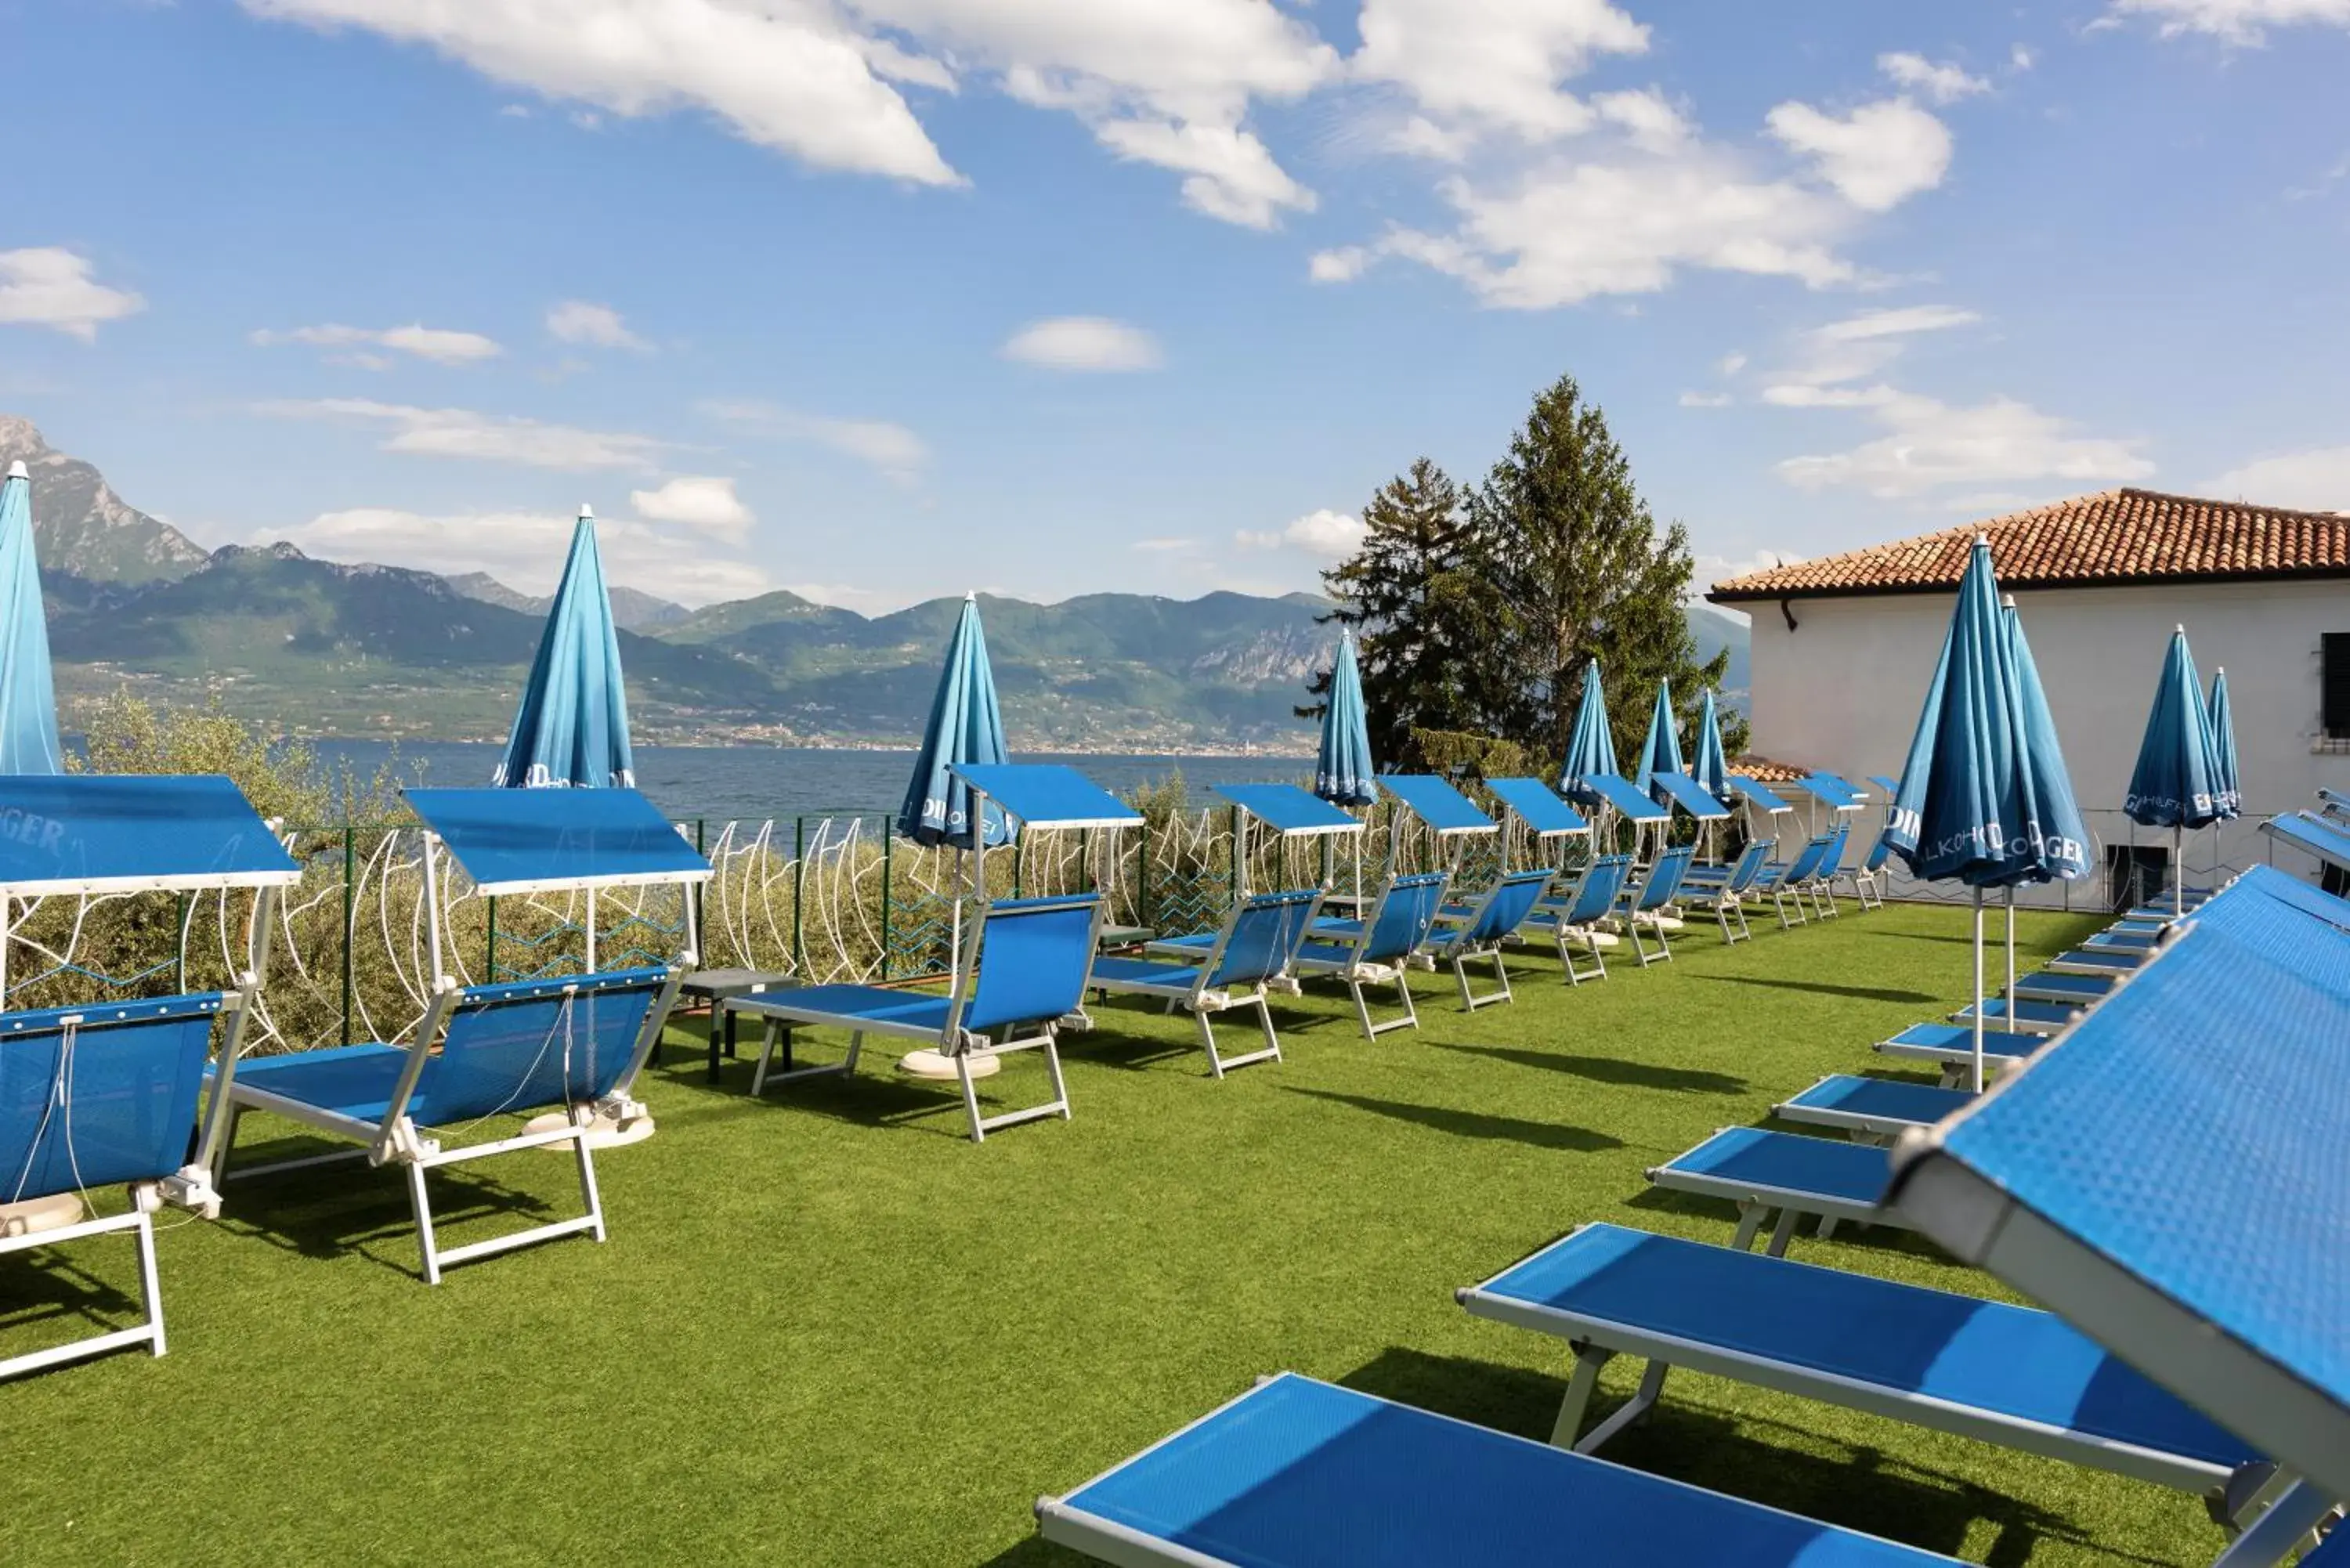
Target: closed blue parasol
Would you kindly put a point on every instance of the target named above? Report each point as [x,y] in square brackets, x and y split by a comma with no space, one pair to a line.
[1342,769]
[966,728]
[2052,824]
[2172,785]
[572,729]
[1961,810]
[1707,766]
[29,698]
[1661,752]
[2227,790]
[1590,747]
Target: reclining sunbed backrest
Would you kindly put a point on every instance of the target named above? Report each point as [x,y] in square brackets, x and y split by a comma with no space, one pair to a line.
[1505,908]
[526,1043]
[1833,856]
[1812,859]
[96,1094]
[1265,932]
[1602,880]
[1407,909]
[1748,868]
[1665,877]
[1033,956]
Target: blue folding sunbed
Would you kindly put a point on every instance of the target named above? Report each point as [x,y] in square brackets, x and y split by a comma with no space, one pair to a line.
[1951,1047]
[1763,1172]
[1302,1474]
[101,1093]
[1256,946]
[1378,950]
[1725,892]
[1871,1109]
[2041,1018]
[1288,812]
[1574,920]
[1480,930]
[1649,901]
[483,1053]
[2006,1375]
[1801,876]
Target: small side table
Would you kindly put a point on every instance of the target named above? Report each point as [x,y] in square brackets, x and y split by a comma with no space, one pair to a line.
[713,986]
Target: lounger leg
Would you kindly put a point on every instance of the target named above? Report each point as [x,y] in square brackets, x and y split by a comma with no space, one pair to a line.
[150,1284]
[1643,1400]
[423,1204]
[587,1193]
[1745,931]
[1053,1072]
[1403,992]
[1782,1233]
[1664,943]
[1208,1040]
[1502,976]
[1264,1022]
[1588,1360]
[1751,1216]
[971,1096]
[1362,1008]
[1461,973]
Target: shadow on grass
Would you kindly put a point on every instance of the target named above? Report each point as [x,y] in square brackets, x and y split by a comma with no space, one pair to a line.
[1474,1124]
[1774,1463]
[330,1211]
[1608,1069]
[57,1288]
[1826,987]
[1875,1237]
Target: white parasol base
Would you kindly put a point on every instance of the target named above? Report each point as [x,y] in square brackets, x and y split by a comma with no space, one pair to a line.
[34,1215]
[936,1066]
[603,1132]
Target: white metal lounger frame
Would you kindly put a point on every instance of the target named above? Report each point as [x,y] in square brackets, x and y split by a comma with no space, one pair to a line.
[1726,895]
[2228,1494]
[1355,971]
[952,1041]
[395,1139]
[1204,1001]
[1459,950]
[1757,1201]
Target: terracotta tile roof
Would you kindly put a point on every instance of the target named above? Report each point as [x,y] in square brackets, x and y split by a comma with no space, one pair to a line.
[1762,770]
[2111,538]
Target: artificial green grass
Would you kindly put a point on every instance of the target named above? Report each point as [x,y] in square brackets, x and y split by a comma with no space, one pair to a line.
[827,1329]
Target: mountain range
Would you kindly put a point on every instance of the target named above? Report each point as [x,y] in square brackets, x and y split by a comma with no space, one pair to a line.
[325,648]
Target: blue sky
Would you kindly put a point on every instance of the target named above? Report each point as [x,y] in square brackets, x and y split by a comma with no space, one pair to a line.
[881,299]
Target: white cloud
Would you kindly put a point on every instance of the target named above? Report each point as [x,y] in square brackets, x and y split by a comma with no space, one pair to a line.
[1165,546]
[491,437]
[1084,343]
[891,450]
[2019,57]
[1705,399]
[1495,65]
[1712,570]
[598,325]
[1830,358]
[1876,157]
[45,285]
[439,344]
[1650,122]
[523,550]
[1165,82]
[1323,532]
[2315,479]
[1420,137]
[1344,265]
[705,505]
[1930,444]
[1939,83]
[792,76]
[2237,21]
[1896,323]
[1729,364]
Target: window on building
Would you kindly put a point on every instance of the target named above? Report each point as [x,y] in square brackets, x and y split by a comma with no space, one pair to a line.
[2334,685]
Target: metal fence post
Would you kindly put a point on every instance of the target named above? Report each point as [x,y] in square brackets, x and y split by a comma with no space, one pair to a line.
[701,909]
[490,973]
[800,892]
[889,838]
[351,919]
[1142,873]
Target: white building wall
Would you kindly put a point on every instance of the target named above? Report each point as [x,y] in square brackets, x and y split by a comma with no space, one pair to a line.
[1841,690]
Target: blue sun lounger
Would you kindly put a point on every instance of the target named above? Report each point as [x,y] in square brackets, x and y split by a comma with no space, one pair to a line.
[1033,957]
[1647,903]
[1256,946]
[1799,877]
[1787,1174]
[2006,1375]
[1301,1474]
[2063,986]
[2099,960]
[2328,841]
[2043,1018]
[102,1093]
[1871,1109]
[1951,1047]
[1381,950]
[1724,891]
[1492,920]
[1574,920]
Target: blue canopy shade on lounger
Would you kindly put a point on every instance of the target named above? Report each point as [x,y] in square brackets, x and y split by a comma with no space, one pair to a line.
[1673,789]
[1836,793]
[1661,752]
[1286,808]
[1707,766]
[101,833]
[965,729]
[1532,802]
[1757,794]
[1441,807]
[572,728]
[1629,803]
[1343,769]
[510,841]
[1891,787]
[2168,1175]
[2227,789]
[1590,746]
[2172,787]
[1048,794]
[28,697]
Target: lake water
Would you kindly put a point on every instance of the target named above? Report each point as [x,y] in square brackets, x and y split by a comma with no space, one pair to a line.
[722,781]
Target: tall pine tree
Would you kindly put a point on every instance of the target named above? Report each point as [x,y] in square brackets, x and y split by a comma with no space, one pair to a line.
[1413,593]
[1576,568]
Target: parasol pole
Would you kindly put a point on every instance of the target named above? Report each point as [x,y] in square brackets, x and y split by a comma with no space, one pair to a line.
[1978,990]
[2010,958]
